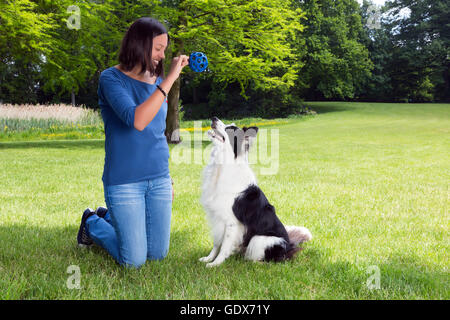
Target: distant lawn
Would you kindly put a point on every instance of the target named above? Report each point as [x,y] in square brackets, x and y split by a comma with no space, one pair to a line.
[64,122]
[370,180]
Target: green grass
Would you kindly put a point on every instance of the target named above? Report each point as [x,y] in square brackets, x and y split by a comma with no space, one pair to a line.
[371,182]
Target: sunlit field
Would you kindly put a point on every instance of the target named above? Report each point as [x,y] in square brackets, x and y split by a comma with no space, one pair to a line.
[370,180]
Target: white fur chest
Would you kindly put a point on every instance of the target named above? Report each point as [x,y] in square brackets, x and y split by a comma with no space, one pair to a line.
[222,183]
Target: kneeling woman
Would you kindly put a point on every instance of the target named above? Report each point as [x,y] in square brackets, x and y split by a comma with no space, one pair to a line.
[137,185]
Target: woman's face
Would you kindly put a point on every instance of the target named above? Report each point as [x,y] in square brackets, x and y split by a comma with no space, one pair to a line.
[159,45]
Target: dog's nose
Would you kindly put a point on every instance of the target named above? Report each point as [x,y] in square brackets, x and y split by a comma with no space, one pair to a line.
[214,122]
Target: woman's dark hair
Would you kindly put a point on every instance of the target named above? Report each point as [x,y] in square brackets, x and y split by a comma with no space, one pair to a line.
[137,46]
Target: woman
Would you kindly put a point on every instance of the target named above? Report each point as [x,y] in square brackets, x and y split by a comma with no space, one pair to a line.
[137,185]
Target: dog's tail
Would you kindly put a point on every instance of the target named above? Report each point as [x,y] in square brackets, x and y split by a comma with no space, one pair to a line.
[298,235]
[276,249]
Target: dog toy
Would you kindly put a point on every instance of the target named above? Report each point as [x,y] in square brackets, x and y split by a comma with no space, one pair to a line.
[198,61]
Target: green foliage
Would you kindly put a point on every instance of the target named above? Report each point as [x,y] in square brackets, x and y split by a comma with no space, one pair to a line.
[264,54]
[410,52]
[424,38]
[336,62]
[24,38]
[246,41]
[378,41]
[79,54]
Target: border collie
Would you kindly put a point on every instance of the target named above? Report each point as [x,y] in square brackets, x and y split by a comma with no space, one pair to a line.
[240,216]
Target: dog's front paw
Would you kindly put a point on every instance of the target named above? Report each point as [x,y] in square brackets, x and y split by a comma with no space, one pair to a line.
[215,263]
[205,259]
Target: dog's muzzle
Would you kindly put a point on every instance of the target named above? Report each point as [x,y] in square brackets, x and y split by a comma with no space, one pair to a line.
[216,132]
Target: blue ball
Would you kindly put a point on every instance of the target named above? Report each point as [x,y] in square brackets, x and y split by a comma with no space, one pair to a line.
[198,61]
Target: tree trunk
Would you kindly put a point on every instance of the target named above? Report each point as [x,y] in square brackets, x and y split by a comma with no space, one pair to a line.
[73,98]
[173,118]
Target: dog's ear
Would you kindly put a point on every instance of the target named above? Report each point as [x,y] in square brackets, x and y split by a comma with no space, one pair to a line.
[249,135]
[250,132]
[236,137]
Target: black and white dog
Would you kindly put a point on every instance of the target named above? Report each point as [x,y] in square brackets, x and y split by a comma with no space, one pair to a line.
[240,216]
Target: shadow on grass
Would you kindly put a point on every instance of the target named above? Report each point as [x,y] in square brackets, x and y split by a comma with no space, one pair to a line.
[34,263]
[400,277]
[80,144]
[329,107]
[54,144]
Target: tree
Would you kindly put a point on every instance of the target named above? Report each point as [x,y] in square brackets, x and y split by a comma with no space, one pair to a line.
[24,39]
[422,44]
[84,41]
[376,37]
[336,62]
[51,48]
[244,41]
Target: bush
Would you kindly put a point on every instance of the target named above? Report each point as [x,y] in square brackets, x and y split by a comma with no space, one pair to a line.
[231,104]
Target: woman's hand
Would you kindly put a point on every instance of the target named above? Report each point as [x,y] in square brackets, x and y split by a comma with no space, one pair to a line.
[178,63]
[147,110]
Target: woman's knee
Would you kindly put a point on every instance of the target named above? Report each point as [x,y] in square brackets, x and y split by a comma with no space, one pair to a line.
[158,254]
[133,256]
[133,263]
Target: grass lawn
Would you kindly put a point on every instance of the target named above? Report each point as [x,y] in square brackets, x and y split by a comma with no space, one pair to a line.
[371,182]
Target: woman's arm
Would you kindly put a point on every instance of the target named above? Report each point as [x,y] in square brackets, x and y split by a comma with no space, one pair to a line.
[147,110]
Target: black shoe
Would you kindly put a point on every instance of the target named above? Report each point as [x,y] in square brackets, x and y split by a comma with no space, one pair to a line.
[101,212]
[82,238]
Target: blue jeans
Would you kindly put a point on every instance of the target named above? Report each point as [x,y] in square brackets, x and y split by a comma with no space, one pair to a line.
[137,224]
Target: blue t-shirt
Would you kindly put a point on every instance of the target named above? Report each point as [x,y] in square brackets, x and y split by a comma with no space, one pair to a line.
[131,155]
